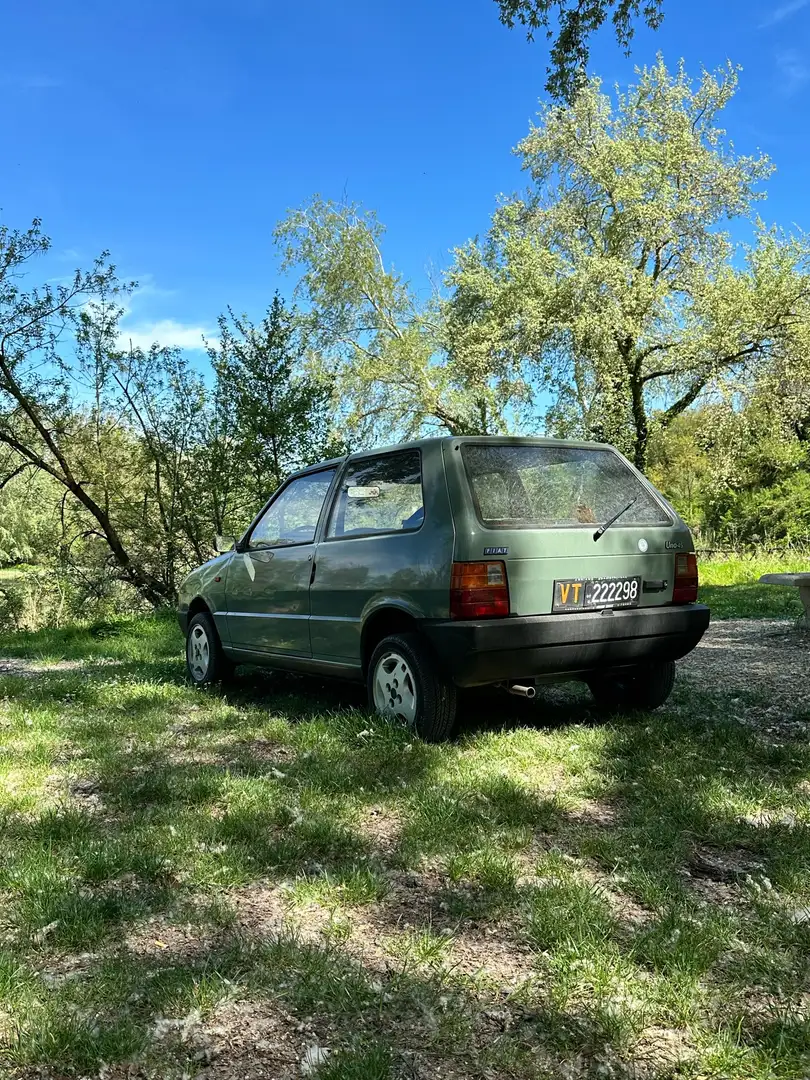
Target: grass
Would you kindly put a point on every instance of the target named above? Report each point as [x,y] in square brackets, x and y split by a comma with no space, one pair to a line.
[251,875]
[731,588]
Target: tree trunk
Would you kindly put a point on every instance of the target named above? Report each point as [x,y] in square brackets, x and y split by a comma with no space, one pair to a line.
[152,589]
[640,423]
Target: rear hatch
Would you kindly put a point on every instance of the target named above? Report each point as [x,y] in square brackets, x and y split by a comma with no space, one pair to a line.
[538,506]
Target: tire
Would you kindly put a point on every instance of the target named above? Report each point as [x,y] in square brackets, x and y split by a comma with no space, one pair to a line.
[644,687]
[206,662]
[405,683]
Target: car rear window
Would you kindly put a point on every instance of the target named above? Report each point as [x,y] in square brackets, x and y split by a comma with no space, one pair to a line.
[546,487]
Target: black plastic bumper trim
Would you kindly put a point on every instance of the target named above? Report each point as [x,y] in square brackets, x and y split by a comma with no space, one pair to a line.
[495,650]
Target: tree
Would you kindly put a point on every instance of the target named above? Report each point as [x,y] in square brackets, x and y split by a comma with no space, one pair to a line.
[577,20]
[613,282]
[157,454]
[394,370]
[281,414]
[41,374]
[680,465]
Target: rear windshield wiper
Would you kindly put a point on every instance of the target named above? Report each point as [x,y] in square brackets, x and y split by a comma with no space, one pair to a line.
[600,532]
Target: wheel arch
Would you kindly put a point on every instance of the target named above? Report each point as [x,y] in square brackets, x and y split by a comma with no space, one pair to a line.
[379,624]
[198,605]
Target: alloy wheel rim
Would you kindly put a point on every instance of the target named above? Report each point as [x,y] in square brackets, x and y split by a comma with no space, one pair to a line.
[395,688]
[198,652]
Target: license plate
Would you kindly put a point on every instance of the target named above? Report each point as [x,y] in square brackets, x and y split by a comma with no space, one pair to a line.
[579,595]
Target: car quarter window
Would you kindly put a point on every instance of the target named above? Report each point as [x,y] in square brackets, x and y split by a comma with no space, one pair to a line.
[292,518]
[379,495]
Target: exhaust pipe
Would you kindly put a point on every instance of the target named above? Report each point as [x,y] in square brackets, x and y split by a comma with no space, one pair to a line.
[523,691]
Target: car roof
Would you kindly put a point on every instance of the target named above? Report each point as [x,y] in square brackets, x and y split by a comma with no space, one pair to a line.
[495,440]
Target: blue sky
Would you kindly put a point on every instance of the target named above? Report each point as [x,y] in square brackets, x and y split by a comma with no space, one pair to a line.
[176,134]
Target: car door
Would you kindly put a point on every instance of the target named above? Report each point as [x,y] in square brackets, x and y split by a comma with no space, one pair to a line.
[382,522]
[268,578]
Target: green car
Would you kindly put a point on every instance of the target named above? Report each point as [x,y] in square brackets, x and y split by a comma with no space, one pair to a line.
[456,562]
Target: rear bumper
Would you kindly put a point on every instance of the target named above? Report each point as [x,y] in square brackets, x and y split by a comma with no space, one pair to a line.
[182,619]
[493,650]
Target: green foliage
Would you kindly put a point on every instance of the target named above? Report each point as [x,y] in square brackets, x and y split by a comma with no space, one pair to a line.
[119,465]
[280,413]
[680,466]
[390,357]
[29,507]
[576,23]
[613,281]
[738,472]
[56,350]
[779,513]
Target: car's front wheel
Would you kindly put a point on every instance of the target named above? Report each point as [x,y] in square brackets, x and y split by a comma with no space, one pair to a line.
[642,687]
[406,684]
[206,661]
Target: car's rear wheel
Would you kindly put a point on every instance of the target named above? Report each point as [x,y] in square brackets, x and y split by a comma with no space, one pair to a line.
[642,687]
[206,661]
[406,684]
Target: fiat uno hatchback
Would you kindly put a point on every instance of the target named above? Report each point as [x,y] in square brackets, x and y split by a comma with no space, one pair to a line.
[456,562]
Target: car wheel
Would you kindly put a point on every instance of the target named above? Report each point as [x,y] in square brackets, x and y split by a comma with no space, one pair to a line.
[206,661]
[644,687]
[406,684]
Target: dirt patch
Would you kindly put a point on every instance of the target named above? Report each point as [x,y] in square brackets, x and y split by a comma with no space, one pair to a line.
[660,1052]
[252,1041]
[382,827]
[31,669]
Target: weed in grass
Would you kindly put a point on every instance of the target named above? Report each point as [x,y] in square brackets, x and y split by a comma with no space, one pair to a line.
[568,913]
[683,941]
[337,929]
[358,885]
[371,1062]
[491,869]
[421,945]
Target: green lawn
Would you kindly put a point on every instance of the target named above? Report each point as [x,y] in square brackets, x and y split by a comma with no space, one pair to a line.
[221,880]
[730,586]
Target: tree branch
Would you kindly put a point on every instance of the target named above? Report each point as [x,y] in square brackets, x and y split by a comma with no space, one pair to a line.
[16,472]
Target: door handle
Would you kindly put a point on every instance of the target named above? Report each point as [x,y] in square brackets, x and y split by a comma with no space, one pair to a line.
[655,586]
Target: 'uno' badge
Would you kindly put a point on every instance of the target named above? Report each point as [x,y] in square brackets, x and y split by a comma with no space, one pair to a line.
[496,551]
[673,545]
[642,544]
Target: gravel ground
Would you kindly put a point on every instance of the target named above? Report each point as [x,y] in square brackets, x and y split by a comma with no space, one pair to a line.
[762,666]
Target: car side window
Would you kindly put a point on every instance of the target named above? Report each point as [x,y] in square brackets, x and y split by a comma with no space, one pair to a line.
[379,495]
[292,518]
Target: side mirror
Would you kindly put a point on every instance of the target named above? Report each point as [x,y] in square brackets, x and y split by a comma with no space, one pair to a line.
[223,544]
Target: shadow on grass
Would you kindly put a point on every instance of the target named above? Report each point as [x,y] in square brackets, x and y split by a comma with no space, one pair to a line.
[656,888]
[412,1019]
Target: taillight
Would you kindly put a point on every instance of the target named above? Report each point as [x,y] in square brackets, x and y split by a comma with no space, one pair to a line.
[478,590]
[685,590]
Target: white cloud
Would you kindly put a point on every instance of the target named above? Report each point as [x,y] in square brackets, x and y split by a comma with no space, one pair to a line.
[793,71]
[784,11]
[166,332]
